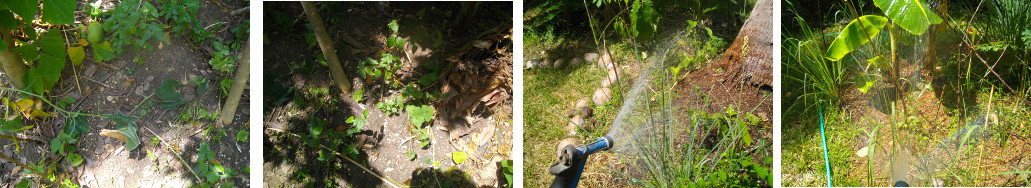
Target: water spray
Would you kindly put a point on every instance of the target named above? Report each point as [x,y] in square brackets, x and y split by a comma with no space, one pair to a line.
[571,162]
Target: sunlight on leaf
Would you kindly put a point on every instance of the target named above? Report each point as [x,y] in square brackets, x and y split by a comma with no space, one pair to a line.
[855,35]
[458,157]
[911,15]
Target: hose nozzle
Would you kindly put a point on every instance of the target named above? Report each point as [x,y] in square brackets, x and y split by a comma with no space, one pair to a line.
[572,159]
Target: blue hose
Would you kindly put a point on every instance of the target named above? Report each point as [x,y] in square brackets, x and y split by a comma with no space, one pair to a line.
[826,160]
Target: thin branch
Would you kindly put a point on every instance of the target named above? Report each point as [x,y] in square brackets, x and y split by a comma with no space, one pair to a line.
[5,157]
[176,154]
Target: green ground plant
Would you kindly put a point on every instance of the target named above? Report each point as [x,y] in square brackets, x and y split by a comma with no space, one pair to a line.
[133,23]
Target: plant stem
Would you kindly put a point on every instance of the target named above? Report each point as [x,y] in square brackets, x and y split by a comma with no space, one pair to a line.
[236,91]
[326,44]
[5,157]
[167,146]
[58,108]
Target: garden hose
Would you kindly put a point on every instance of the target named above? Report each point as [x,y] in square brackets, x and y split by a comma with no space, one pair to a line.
[826,161]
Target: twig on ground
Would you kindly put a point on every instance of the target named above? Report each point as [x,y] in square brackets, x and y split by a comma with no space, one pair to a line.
[5,157]
[174,153]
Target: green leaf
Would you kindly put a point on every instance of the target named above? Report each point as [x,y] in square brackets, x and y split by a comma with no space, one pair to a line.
[911,15]
[25,8]
[390,41]
[76,54]
[127,126]
[28,52]
[75,159]
[59,11]
[170,98]
[8,21]
[53,44]
[855,35]
[242,136]
[410,154]
[46,73]
[458,157]
[13,125]
[419,115]
[358,95]
[393,26]
[76,125]
[865,81]
[102,51]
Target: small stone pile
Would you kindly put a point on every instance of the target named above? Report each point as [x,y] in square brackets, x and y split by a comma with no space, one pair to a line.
[581,111]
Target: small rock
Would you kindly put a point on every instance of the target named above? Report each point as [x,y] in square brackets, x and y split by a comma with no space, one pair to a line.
[530,64]
[576,62]
[591,57]
[606,61]
[559,63]
[614,74]
[576,121]
[580,103]
[547,64]
[601,96]
[606,82]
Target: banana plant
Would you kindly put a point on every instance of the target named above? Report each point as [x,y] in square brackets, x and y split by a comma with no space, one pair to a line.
[910,15]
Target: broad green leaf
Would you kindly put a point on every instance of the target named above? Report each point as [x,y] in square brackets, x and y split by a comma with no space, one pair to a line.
[878,62]
[126,125]
[59,11]
[102,51]
[410,154]
[52,43]
[865,82]
[746,137]
[76,125]
[911,15]
[28,52]
[8,21]
[75,159]
[393,26]
[45,74]
[13,125]
[26,8]
[458,157]
[390,41]
[419,114]
[170,98]
[76,54]
[855,35]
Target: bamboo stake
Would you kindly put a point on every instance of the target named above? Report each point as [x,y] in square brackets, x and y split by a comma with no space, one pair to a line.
[239,82]
[326,44]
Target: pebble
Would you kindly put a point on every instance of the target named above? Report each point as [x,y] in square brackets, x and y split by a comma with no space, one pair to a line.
[576,62]
[580,103]
[559,63]
[591,57]
[601,96]
[605,61]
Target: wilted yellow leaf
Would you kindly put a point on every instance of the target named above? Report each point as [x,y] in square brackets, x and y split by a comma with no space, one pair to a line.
[113,134]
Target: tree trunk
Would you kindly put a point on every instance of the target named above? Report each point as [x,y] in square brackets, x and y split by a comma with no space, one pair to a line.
[239,82]
[756,66]
[339,77]
[13,64]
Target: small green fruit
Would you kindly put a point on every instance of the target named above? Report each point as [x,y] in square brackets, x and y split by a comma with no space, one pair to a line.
[95,33]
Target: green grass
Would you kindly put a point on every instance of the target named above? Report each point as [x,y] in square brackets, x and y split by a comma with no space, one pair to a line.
[547,90]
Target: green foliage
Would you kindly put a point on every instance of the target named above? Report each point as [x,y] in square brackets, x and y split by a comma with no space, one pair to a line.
[357,122]
[133,23]
[394,41]
[358,95]
[210,169]
[391,106]
[169,97]
[1008,21]
[127,126]
[804,63]
[382,69]
[420,114]
[911,15]
[855,34]
[183,16]
[45,74]
[410,154]
[507,168]
[222,60]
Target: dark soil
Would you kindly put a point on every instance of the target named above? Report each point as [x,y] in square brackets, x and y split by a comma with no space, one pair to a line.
[462,122]
[119,85]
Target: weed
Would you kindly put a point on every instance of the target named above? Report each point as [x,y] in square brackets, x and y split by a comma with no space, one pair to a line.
[133,23]
[211,169]
[391,106]
[222,60]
